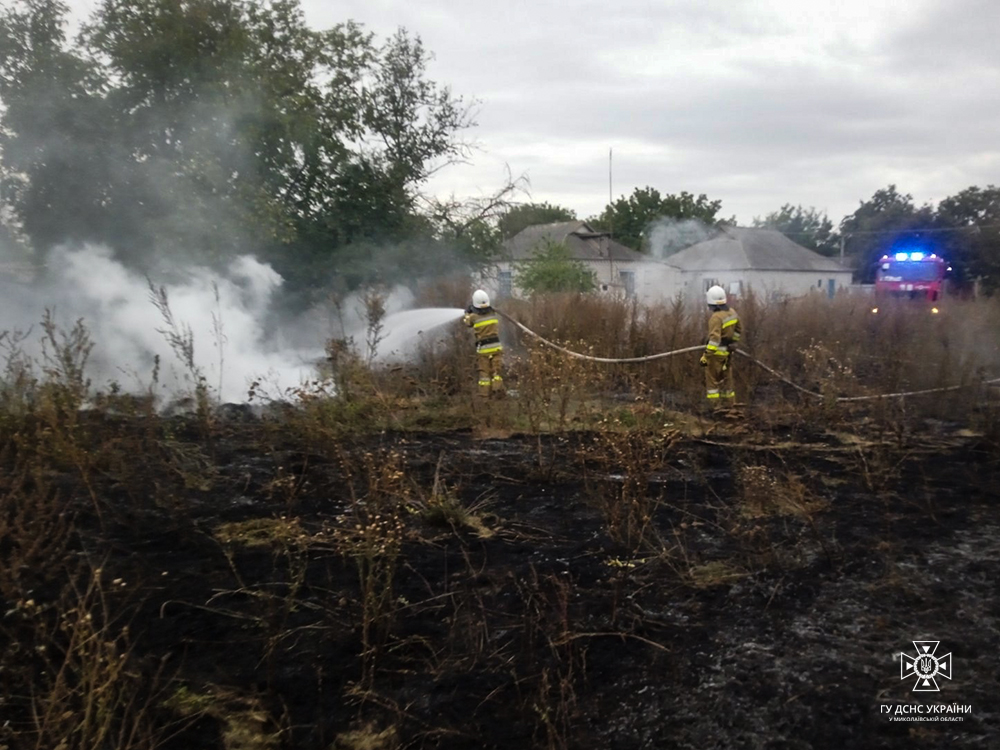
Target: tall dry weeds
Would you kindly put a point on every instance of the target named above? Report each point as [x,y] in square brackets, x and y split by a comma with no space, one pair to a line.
[622,462]
[370,534]
[70,677]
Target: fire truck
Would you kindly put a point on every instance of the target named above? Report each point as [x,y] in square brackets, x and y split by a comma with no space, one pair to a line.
[914,275]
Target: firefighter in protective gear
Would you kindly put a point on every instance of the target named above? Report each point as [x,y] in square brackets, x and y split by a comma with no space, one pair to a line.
[485,323]
[723,337]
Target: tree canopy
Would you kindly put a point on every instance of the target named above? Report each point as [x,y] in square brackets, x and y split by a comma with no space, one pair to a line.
[201,129]
[970,234]
[806,226]
[879,223]
[628,218]
[964,228]
[178,132]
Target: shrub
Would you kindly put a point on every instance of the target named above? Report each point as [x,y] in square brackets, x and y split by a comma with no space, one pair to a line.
[554,270]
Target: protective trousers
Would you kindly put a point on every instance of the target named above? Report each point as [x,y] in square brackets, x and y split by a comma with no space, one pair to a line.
[719,379]
[490,379]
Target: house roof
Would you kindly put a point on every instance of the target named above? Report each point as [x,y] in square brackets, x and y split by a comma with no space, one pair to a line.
[583,241]
[743,249]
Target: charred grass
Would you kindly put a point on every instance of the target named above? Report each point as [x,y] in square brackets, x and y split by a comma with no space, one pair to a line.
[386,562]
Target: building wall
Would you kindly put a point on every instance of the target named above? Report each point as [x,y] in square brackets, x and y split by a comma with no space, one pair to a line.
[769,284]
[650,282]
[658,282]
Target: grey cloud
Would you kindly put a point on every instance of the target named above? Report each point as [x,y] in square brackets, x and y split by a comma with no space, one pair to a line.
[790,117]
[955,38]
[910,102]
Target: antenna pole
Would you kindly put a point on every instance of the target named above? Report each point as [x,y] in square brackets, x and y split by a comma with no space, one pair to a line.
[611,229]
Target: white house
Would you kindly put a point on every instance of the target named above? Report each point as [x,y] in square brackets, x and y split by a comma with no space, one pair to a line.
[735,258]
[738,258]
[617,269]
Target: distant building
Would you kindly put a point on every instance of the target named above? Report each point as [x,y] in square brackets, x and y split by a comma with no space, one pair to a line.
[735,258]
[765,260]
[617,269]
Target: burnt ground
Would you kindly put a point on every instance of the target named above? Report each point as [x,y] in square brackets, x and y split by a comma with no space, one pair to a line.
[749,589]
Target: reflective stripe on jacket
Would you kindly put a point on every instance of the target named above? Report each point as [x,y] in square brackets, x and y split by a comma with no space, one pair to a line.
[723,331]
[486,325]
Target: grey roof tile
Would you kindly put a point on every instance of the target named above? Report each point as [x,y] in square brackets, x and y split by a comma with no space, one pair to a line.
[583,242]
[744,248]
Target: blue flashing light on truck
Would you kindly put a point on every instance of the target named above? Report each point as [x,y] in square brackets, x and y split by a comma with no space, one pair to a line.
[912,275]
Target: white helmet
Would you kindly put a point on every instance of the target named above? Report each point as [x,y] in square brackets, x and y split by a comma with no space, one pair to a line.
[716,295]
[480,299]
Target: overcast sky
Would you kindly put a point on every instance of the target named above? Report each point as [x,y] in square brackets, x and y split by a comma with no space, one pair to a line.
[756,103]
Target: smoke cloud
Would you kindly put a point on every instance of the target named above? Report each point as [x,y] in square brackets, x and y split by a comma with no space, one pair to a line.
[666,236]
[238,336]
[236,339]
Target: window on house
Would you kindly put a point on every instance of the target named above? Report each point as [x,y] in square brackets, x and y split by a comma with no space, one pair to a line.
[709,283]
[505,284]
[819,284]
[628,282]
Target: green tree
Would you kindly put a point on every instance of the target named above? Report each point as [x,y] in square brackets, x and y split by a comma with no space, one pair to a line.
[53,128]
[211,127]
[879,224]
[973,248]
[411,118]
[806,226]
[472,227]
[628,218]
[527,215]
[553,270]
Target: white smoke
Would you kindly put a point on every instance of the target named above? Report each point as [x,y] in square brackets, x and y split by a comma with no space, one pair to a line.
[666,236]
[401,332]
[225,312]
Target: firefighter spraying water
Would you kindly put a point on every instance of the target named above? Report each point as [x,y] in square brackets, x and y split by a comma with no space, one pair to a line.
[485,323]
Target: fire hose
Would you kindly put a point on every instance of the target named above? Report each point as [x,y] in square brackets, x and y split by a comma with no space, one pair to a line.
[766,368]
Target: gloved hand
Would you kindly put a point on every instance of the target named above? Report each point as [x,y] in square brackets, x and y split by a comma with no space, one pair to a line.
[703,361]
[725,364]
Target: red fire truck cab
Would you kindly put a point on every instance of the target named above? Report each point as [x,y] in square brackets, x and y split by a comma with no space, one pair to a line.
[911,275]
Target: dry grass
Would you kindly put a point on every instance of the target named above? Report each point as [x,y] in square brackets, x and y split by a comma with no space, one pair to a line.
[70,677]
[58,459]
[764,492]
[371,535]
[625,461]
[262,532]
[832,347]
[245,723]
[368,737]
[716,573]
[441,506]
